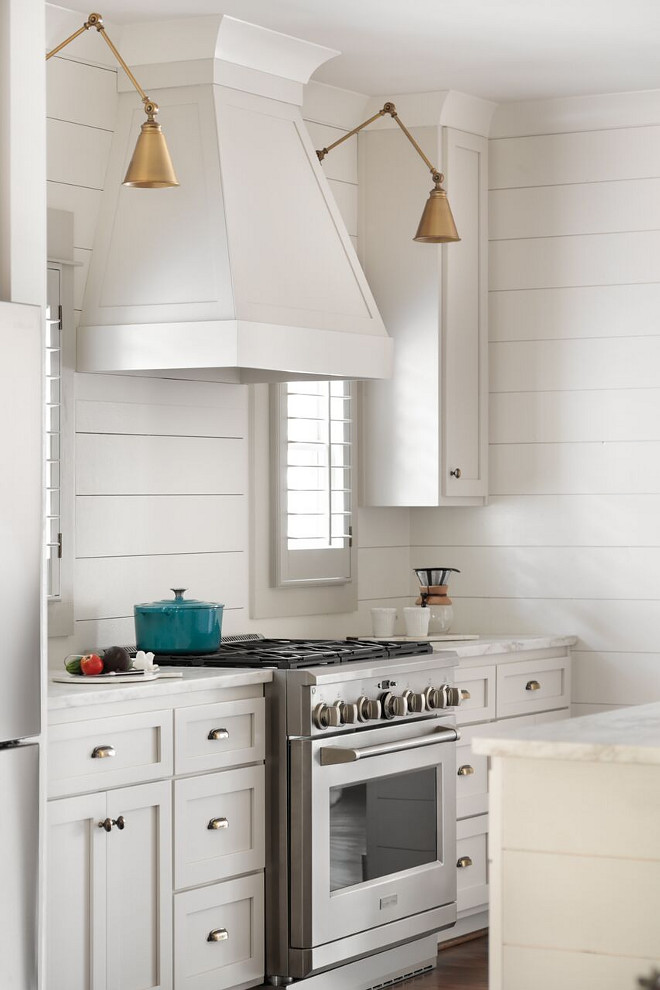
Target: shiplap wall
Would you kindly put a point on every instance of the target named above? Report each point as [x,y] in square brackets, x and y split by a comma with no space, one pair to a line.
[570,542]
[161,476]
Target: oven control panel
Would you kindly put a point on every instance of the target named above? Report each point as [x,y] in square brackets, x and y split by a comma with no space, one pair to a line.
[358,703]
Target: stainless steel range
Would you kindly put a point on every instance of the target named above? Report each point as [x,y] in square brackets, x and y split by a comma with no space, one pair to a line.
[360,804]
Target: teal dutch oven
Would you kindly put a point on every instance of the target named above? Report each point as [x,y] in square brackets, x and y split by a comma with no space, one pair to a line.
[177,625]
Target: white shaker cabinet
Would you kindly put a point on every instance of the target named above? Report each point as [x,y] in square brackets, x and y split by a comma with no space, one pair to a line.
[510,689]
[425,432]
[157,884]
[109,909]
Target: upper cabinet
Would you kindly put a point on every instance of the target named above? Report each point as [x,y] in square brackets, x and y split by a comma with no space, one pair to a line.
[425,432]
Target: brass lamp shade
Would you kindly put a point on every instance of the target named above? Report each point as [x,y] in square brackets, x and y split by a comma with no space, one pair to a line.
[151,166]
[437,224]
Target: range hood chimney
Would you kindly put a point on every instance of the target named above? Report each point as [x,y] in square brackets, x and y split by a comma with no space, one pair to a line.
[245,272]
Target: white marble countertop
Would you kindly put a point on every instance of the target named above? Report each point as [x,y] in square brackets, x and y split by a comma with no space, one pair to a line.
[624,735]
[61,696]
[492,645]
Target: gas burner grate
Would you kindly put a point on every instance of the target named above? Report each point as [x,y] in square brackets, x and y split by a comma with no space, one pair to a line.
[289,654]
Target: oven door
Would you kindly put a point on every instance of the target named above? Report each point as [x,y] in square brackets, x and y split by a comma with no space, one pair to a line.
[373,829]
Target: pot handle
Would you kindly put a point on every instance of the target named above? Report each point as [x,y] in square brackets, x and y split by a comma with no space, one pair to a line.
[178,593]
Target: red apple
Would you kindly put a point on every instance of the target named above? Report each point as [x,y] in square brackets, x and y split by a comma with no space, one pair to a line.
[91,664]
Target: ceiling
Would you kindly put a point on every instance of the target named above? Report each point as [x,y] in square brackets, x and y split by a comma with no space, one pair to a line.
[501,50]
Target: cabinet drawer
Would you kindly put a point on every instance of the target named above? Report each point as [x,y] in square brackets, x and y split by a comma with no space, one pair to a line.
[109,752]
[532,686]
[219,824]
[209,737]
[234,912]
[472,850]
[471,777]
[479,703]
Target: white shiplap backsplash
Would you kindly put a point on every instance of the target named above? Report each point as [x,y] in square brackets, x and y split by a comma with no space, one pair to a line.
[570,541]
[161,473]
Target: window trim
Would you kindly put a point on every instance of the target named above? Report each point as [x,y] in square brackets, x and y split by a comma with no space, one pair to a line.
[60,608]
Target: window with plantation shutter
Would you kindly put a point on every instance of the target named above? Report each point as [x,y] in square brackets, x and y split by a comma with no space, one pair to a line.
[314,503]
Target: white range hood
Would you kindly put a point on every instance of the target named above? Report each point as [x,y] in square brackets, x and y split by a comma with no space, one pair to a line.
[245,272]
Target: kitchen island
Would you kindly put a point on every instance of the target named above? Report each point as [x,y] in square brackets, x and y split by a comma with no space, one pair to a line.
[575,851]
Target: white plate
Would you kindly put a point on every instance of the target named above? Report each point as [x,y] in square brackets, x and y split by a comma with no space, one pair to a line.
[66,678]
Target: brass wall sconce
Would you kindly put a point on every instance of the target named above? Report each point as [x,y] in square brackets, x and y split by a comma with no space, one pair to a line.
[437,224]
[151,166]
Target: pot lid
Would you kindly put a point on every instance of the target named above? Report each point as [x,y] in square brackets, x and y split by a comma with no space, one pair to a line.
[178,602]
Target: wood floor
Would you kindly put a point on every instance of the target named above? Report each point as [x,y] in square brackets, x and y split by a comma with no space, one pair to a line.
[460,967]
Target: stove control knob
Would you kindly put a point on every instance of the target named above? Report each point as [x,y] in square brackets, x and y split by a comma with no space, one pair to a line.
[349,713]
[393,706]
[453,696]
[320,716]
[374,709]
[363,709]
[416,703]
[432,697]
[334,715]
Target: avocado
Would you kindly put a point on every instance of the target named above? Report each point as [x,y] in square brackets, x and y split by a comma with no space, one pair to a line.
[116,659]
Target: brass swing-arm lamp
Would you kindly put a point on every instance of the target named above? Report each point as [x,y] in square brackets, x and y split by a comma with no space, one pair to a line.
[437,224]
[151,166]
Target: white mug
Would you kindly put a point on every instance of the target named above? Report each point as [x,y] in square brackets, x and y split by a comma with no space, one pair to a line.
[382,621]
[416,620]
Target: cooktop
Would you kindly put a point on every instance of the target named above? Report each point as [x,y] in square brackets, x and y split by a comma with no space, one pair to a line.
[285,654]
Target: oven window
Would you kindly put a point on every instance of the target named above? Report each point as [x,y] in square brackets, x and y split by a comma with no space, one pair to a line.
[382,826]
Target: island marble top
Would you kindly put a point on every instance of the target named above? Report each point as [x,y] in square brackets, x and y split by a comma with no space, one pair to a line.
[622,735]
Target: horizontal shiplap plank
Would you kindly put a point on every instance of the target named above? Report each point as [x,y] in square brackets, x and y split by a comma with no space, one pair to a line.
[340,163]
[588,883]
[582,156]
[542,520]
[547,969]
[588,363]
[553,417]
[112,586]
[346,197]
[575,468]
[608,678]
[83,203]
[156,419]
[77,155]
[551,572]
[384,527]
[82,94]
[603,626]
[136,465]
[94,634]
[230,399]
[121,525]
[383,572]
[585,259]
[586,208]
[578,311]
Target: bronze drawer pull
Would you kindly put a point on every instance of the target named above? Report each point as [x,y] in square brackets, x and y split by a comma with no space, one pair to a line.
[216,734]
[101,752]
[465,770]
[465,694]
[107,823]
[218,935]
[217,823]
[532,686]
[464,862]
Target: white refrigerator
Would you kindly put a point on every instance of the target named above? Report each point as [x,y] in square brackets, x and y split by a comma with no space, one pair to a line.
[21,543]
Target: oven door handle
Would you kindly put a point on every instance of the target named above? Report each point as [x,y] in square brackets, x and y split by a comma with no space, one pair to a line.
[332,755]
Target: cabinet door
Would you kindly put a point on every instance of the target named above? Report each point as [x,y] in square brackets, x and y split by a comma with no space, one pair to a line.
[76,894]
[140,888]
[464,359]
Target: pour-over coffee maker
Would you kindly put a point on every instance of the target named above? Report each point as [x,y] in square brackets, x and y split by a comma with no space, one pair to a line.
[433,595]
